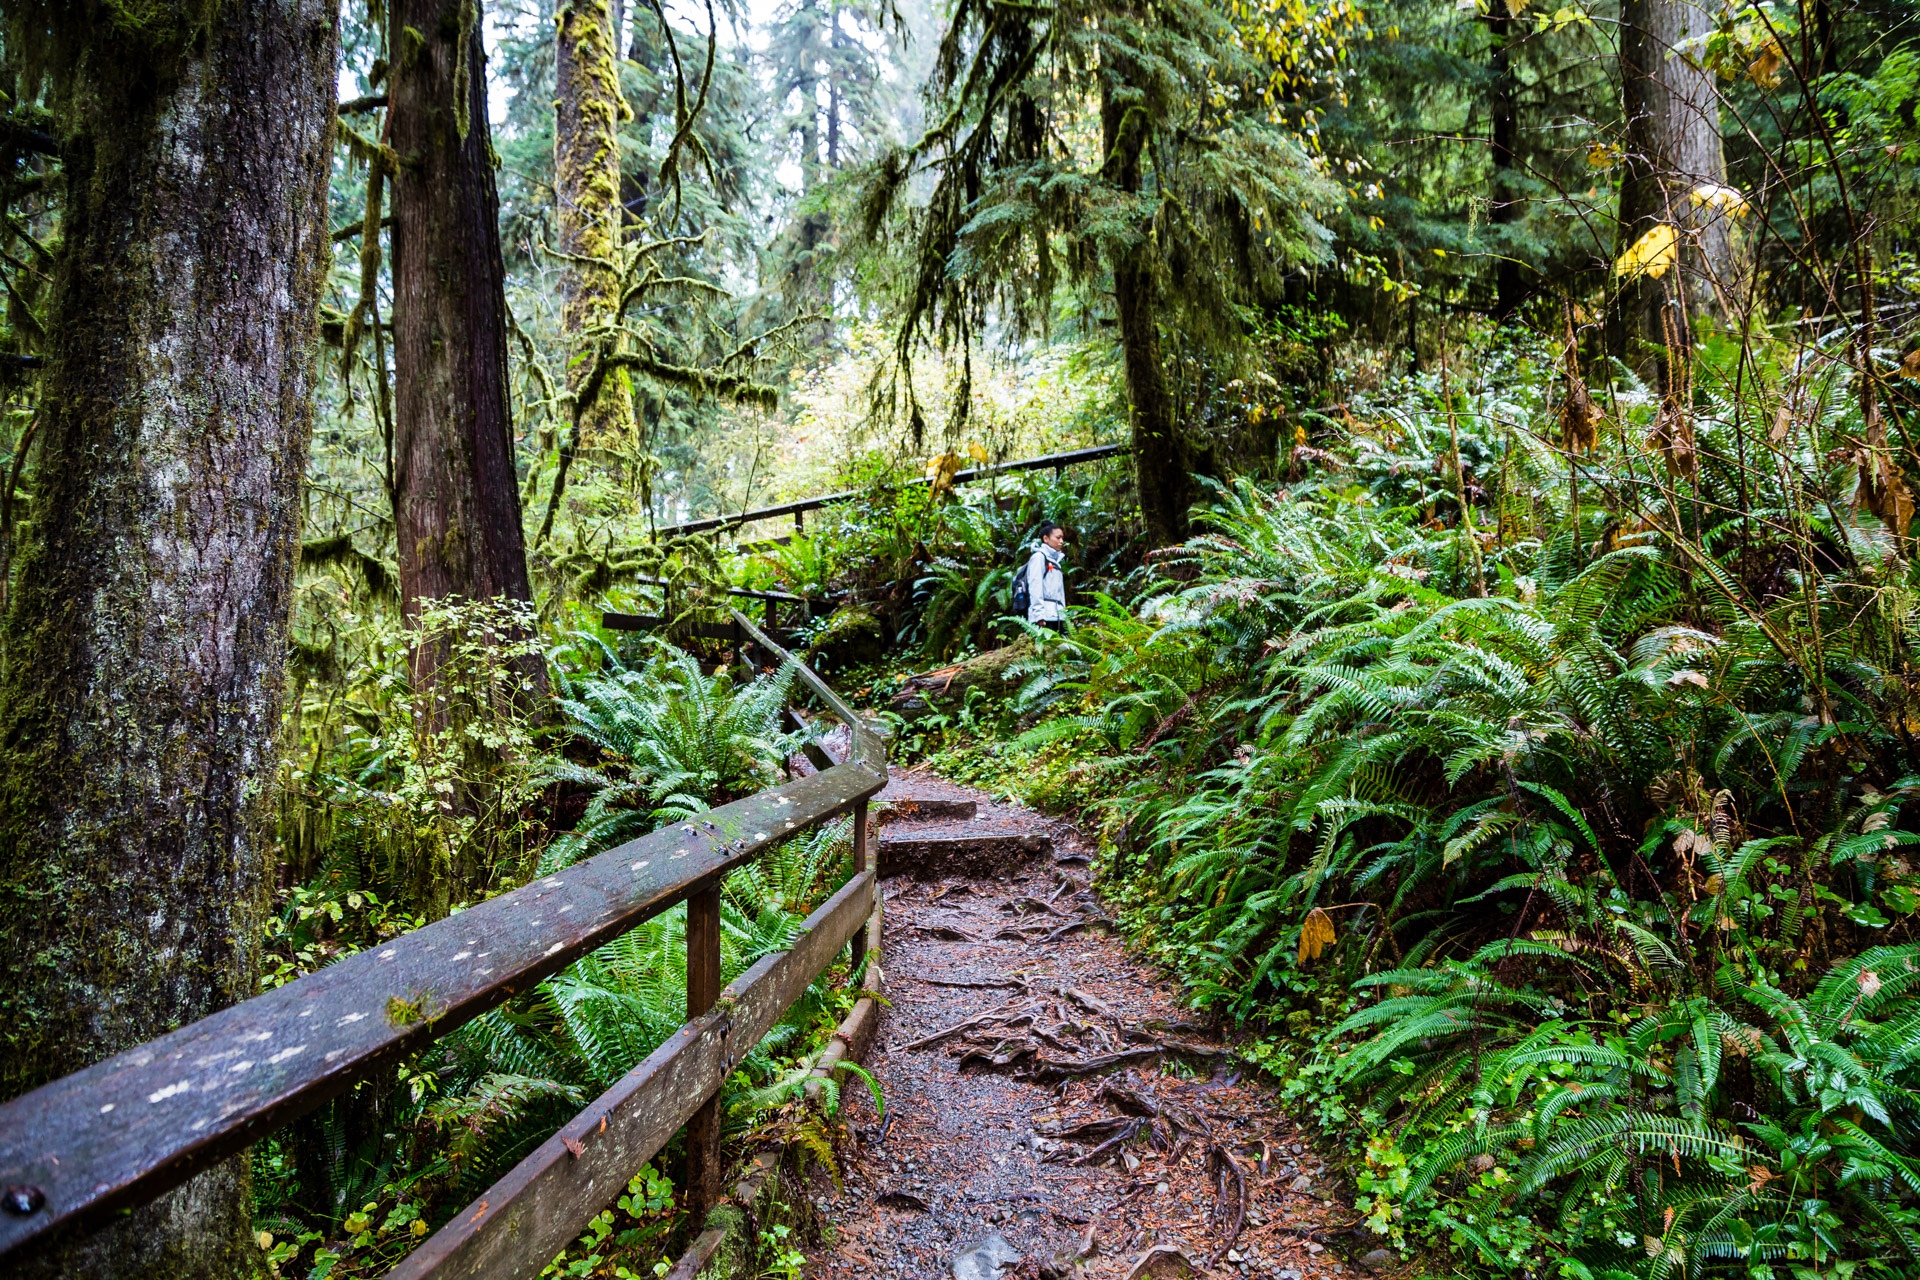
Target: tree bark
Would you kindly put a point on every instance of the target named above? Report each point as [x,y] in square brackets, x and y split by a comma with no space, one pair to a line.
[1509,289]
[1160,459]
[588,109]
[457,513]
[457,496]
[1673,146]
[143,677]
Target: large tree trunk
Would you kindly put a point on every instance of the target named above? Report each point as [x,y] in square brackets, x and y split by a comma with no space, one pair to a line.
[458,510]
[142,682]
[457,497]
[1160,460]
[587,114]
[1509,289]
[1673,147]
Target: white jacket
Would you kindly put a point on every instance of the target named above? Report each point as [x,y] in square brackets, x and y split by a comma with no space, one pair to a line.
[1046,585]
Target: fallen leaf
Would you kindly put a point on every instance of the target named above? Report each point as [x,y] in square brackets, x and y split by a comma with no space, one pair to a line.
[1315,934]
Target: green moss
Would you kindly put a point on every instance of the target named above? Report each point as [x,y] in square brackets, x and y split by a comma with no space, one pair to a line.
[587,183]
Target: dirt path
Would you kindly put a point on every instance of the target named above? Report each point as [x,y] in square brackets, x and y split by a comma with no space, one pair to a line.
[1079,1098]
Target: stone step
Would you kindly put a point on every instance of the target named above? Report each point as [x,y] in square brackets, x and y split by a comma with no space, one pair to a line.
[933,850]
[911,808]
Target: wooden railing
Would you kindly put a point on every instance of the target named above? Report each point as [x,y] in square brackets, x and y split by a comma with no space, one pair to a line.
[1057,462]
[121,1132]
[799,611]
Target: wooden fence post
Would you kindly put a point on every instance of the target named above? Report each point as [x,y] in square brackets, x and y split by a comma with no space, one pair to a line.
[703,989]
[859,865]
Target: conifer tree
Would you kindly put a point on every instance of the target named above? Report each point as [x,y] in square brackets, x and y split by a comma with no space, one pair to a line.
[142,683]
[588,110]
[1673,150]
[457,498]
[1193,202]
[825,68]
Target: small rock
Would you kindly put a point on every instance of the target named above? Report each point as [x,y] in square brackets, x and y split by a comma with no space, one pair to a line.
[1315,1248]
[1301,1183]
[1233,1255]
[1378,1260]
[986,1260]
[1289,1274]
[1131,1160]
[1159,1188]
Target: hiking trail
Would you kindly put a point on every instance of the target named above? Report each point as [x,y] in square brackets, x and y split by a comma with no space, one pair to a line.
[1051,1109]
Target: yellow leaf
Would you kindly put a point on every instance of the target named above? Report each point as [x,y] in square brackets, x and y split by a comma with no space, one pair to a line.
[1315,934]
[1602,156]
[941,471]
[978,452]
[1516,7]
[1765,69]
[1652,254]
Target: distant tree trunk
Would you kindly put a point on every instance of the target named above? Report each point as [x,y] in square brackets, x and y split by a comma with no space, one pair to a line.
[835,42]
[141,689]
[586,161]
[1509,290]
[458,511]
[1672,147]
[1160,461]
[457,497]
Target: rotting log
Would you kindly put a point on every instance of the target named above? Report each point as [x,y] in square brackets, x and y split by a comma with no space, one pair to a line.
[986,671]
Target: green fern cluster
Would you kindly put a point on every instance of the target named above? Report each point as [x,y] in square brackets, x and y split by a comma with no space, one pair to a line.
[664,740]
[1598,779]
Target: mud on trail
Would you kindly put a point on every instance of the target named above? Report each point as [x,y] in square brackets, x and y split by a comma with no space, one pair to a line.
[1046,1088]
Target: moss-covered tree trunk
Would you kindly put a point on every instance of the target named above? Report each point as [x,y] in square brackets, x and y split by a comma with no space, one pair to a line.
[586,159]
[457,499]
[1161,465]
[142,681]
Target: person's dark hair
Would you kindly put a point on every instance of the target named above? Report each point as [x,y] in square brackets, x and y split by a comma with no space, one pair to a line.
[1046,528]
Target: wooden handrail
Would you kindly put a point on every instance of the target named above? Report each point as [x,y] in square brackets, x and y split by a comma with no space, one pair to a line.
[520,1223]
[122,1131]
[1056,461]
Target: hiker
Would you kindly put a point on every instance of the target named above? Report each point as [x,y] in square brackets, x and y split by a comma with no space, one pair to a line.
[1046,579]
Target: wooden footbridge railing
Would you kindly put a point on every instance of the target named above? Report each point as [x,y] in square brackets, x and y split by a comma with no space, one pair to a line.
[1055,462]
[121,1132]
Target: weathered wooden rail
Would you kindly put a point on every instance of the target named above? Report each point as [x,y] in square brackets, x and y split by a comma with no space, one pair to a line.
[121,1132]
[799,610]
[1056,462]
